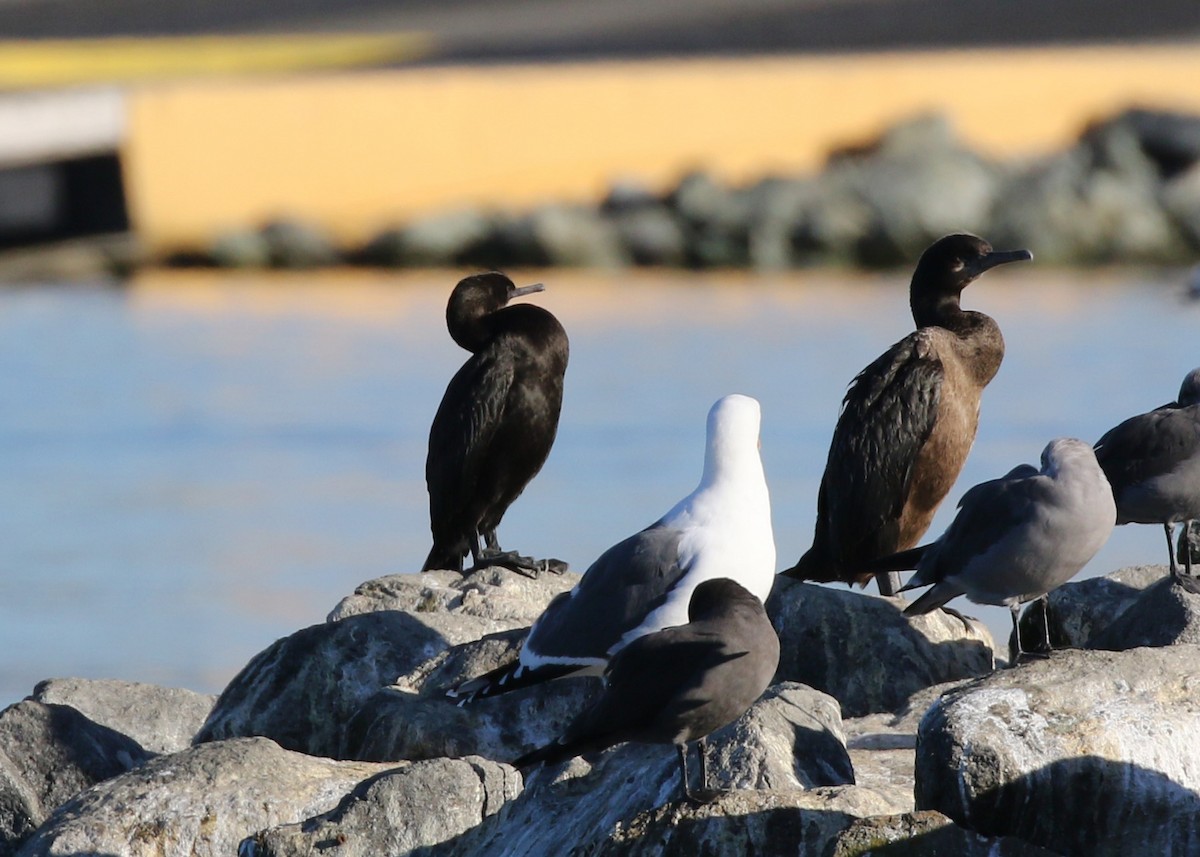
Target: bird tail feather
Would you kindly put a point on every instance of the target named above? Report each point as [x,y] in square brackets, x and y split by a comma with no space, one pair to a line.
[809,568]
[442,557]
[931,600]
[513,676]
[899,561]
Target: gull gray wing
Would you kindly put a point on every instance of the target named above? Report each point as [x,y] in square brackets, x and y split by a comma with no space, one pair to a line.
[618,590]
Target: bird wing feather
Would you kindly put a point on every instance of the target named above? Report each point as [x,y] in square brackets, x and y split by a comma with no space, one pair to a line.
[1149,445]
[462,430]
[887,416]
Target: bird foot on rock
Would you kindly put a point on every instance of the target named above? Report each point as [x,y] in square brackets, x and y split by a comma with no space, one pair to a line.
[513,561]
[700,797]
[1190,583]
[1025,657]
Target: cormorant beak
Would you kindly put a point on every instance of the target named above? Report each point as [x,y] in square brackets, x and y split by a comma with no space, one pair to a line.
[998,257]
[526,290]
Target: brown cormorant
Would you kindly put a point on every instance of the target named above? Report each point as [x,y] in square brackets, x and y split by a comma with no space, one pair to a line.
[908,421]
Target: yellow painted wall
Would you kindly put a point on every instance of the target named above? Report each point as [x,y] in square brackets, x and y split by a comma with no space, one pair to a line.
[355,152]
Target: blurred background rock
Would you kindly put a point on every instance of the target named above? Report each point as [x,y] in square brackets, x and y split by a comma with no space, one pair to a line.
[297,134]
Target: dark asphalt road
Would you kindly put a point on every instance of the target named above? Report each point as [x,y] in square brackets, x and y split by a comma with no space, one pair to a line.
[497,30]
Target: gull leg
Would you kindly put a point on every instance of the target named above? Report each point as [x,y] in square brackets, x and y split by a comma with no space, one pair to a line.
[1186,580]
[1169,530]
[1045,602]
[1015,651]
[687,789]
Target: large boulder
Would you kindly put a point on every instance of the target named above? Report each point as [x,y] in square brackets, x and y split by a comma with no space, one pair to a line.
[443,239]
[301,690]
[202,801]
[506,598]
[863,651]
[574,237]
[714,219]
[1132,607]
[1163,615]
[160,719]
[413,806]
[882,746]
[917,183]
[405,630]
[48,754]
[1087,752]
[1078,611]
[628,800]
[399,724]
[1098,202]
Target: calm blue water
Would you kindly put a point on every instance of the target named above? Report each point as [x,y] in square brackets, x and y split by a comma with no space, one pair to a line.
[194,466]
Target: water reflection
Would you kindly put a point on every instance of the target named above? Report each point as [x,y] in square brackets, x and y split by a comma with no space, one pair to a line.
[197,465]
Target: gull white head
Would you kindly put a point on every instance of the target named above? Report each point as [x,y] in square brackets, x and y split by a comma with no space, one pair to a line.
[733,427]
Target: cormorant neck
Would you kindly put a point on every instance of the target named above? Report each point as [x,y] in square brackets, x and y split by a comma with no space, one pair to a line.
[471,332]
[940,309]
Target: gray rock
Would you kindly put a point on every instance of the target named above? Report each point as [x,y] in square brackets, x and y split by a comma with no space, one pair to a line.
[628,799]
[240,249]
[925,834]
[459,663]
[1189,542]
[446,238]
[650,235]
[777,206]
[48,754]
[1170,140]
[1080,610]
[395,724]
[832,221]
[1181,201]
[1133,607]
[917,183]
[202,801]
[628,194]
[505,597]
[575,237]
[743,822]
[298,245]
[1163,615]
[792,737]
[1098,202]
[161,719]
[410,807]
[862,650]
[882,746]
[301,690]
[715,222]
[1087,752]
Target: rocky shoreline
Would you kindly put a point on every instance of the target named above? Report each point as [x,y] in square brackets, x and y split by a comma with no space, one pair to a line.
[1126,192]
[880,735]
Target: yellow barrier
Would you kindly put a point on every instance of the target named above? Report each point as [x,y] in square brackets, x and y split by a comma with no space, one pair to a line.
[356,152]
